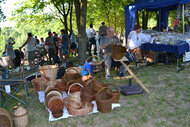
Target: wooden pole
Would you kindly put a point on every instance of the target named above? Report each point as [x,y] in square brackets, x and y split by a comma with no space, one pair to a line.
[135,77]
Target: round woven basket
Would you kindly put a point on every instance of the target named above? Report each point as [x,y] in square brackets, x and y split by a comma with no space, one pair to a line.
[71,76]
[40,84]
[5,118]
[20,116]
[97,85]
[49,89]
[86,108]
[118,52]
[94,60]
[116,94]
[50,95]
[87,93]
[61,85]
[104,99]
[55,103]
[49,72]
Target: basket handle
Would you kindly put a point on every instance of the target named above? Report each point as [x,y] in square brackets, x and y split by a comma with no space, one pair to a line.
[87,70]
[114,86]
[91,57]
[71,68]
[43,74]
[102,90]
[73,85]
[98,76]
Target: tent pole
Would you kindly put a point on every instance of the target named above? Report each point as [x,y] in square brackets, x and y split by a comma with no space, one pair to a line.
[183,18]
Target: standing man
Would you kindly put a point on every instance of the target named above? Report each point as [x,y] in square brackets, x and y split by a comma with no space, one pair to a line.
[91,39]
[102,30]
[51,47]
[65,44]
[30,46]
[106,45]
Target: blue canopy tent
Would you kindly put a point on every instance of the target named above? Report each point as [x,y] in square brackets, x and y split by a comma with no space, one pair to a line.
[163,6]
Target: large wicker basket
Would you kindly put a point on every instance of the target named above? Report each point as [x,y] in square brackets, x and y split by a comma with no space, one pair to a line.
[86,108]
[97,85]
[49,72]
[55,103]
[5,118]
[116,94]
[20,116]
[104,99]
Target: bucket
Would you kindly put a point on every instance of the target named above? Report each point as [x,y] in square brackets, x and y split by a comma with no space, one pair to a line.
[89,67]
[20,116]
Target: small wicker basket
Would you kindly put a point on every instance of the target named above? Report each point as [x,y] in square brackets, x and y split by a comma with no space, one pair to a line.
[104,99]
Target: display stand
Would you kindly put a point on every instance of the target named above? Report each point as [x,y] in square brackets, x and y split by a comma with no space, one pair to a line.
[130,89]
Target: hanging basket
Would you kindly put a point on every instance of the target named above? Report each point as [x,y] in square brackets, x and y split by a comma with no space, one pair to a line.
[61,85]
[116,94]
[104,99]
[86,77]
[49,72]
[118,51]
[20,116]
[86,108]
[87,93]
[40,84]
[50,95]
[5,118]
[97,85]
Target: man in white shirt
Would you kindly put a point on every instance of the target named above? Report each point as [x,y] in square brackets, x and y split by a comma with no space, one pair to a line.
[134,41]
[91,39]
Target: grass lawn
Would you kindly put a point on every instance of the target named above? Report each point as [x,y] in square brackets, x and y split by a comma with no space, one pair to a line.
[168,104]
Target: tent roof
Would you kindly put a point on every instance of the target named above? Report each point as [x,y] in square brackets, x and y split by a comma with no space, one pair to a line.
[156,4]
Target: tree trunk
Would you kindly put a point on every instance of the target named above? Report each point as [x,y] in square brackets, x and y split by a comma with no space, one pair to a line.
[81,10]
[137,18]
[143,19]
[146,20]
[71,15]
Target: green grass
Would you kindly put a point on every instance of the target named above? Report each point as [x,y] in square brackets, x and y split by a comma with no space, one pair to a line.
[167,105]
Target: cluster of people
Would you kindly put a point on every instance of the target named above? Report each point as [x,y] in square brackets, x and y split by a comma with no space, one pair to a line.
[56,45]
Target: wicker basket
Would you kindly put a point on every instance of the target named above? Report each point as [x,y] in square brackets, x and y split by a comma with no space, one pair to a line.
[55,103]
[49,72]
[5,118]
[96,62]
[87,93]
[86,77]
[97,85]
[71,76]
[74,88]
[104,99]
[73,70]
[86,108]
[50,95]
[118,52]
[57,113]
[20,116]
[49,89]
[61,85]
[40,84]
[116,94]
